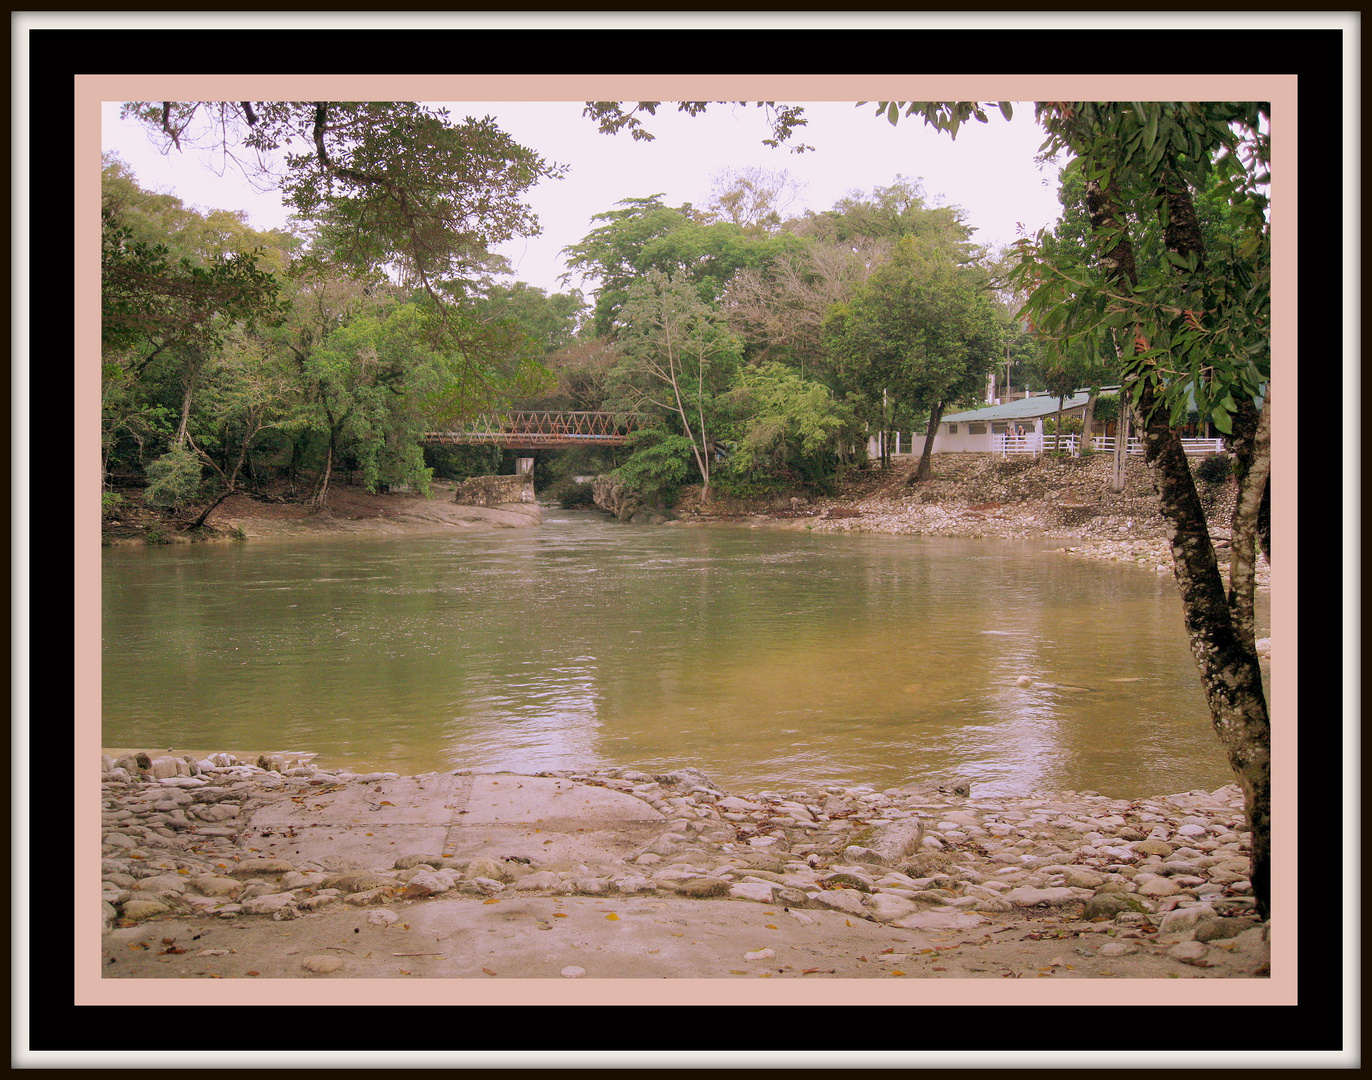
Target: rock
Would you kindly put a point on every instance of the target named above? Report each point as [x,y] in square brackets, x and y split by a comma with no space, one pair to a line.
[1220,928]
[539,879]
[702,887]
[940,920]
[1190,952]
[848,901]
[1031,897]
[407,862]
[492,869]
[270,904]
[213,885]
[1109,904]
[259,867]
[138,910]
[887,908]
[572,972]
[760,891]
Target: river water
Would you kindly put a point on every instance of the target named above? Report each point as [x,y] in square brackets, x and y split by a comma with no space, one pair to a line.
[765,658]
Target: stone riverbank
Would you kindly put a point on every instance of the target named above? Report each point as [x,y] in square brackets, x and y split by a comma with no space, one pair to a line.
[1060,884]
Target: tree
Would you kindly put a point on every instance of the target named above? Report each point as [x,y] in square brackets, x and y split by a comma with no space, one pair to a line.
[921,333]
[678,357]
[389,184]
[649,235]
[1190,322]
[752,198]
[174,284]
[779,309]
[790,429]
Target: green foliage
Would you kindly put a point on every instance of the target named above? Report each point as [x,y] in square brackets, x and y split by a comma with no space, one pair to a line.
[388,183]
[1214,469]
[788,431]
[173,479]
[569,494]
[920,333]
[659,464]
[1107,409]
[677,358]
[647,235]
[1071,425]
[1185,301]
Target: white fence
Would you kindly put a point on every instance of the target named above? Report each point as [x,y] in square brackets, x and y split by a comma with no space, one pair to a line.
[1105,444]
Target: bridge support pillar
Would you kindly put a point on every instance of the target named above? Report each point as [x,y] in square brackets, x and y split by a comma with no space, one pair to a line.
[524,465]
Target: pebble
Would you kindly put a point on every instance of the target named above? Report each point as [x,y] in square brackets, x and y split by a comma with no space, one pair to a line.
[1173,868]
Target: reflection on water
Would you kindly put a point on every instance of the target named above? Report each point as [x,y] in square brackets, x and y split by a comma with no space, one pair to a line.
[761,657]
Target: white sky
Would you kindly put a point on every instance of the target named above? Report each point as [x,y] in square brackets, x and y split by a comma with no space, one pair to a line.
[989,170]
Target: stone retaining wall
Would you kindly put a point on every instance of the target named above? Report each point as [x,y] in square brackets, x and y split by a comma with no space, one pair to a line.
[496,490]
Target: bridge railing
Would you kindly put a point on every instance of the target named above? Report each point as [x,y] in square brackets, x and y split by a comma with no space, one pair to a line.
[541,426]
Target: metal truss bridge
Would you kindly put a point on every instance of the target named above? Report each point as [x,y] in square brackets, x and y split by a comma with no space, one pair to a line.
[539,430]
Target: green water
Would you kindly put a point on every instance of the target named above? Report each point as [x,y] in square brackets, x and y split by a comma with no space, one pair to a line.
[764,658]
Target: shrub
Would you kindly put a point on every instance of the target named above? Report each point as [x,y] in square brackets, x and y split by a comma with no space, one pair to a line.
[173,479]
[569,494]
[1213,469]
[111,504]
[659,465]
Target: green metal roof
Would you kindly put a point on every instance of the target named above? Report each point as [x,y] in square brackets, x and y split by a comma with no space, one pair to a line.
[1020,409]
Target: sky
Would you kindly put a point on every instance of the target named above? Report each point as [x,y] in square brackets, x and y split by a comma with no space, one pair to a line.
[989,170]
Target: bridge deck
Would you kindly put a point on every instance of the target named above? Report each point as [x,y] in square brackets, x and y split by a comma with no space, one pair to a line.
[531,430]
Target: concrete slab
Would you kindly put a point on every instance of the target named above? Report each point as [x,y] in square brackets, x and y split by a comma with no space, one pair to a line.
[547,821]
[524,799]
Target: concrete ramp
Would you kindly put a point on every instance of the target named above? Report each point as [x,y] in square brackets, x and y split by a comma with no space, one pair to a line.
[547,820]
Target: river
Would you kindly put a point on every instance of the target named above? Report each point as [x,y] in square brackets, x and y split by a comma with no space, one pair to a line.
[765,658]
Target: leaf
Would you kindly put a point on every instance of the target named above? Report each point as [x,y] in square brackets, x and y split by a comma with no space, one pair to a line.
[492,900]
[612,917]
[487,970]
[1221,420]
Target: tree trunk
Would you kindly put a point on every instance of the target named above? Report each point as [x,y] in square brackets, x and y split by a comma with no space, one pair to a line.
[319,497]
[1087,419]
[1220,636]
[1121,446]
[1220,639]
[925,458]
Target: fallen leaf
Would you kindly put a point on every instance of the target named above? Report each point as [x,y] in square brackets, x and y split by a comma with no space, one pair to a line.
[252,973]
[769,926]
[492,900]
[897,973]
[612,917]
[559,915]
[488,971]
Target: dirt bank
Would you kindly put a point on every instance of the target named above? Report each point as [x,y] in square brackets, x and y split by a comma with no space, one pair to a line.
[350,511]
